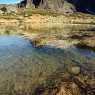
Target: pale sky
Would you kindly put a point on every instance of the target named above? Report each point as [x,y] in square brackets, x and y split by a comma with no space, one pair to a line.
[9,1]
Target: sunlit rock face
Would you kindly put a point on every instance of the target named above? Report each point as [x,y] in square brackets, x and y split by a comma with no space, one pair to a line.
[54,5]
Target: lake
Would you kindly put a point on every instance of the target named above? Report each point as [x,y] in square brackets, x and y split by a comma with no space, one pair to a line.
[23,67]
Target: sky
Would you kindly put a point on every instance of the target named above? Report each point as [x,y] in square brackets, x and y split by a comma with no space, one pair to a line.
[9,1]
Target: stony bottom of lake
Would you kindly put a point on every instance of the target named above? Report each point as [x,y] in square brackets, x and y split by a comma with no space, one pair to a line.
[47,70]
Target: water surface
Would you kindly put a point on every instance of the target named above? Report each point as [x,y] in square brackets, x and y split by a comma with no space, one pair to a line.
[22,65]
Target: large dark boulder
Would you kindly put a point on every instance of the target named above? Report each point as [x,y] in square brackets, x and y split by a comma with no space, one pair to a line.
[22,4]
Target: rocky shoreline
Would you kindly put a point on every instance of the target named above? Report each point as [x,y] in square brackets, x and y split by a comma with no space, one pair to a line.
[60,30]
[65,41]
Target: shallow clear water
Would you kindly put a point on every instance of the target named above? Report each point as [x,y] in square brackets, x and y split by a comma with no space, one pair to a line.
[16,49]
[22,64]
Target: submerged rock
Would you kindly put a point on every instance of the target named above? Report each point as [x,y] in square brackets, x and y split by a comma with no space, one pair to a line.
[74,70]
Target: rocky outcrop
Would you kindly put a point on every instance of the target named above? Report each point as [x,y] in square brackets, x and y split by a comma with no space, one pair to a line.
[67,5]
[54,5]
[58,5]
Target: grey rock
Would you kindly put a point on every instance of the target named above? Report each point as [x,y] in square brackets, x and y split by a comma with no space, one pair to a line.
[58,5]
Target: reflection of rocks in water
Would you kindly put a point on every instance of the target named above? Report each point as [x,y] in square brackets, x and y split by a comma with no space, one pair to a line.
[38,43]
[87,43]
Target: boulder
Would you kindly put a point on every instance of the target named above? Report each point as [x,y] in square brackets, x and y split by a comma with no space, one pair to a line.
[68,8]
